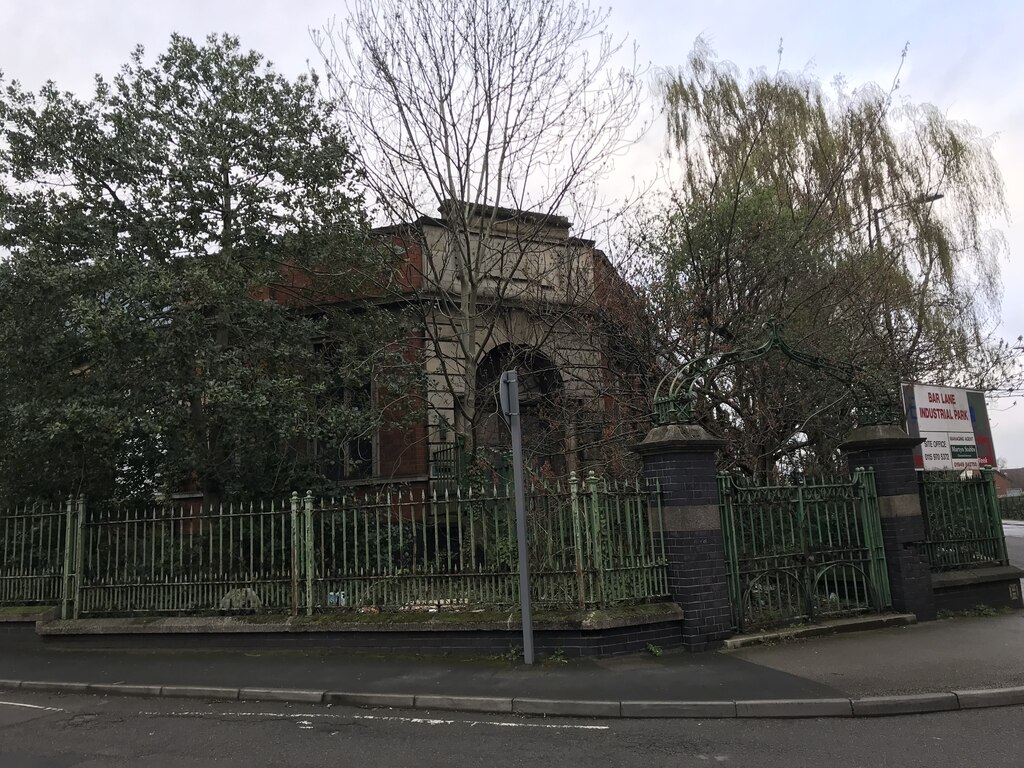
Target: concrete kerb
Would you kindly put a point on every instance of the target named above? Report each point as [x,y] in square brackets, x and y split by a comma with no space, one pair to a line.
[868,706]
[277,694]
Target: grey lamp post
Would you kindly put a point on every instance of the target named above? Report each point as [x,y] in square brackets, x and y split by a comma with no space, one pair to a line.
[919,200]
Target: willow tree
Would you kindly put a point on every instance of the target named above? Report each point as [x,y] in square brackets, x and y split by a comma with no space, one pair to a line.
[483,111]
[173,310]
[857,220]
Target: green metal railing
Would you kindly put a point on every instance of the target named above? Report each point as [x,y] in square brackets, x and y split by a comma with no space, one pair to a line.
[449,464]
[962,520]
[802,552]
[32,553]
[592,543]
[179,560]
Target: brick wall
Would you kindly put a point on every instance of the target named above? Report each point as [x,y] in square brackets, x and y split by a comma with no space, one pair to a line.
[573,643]
[895,474]
[685,479]
[903,535]
[681,458]
[403,452]
[910,576]
[697,582]
[967,597]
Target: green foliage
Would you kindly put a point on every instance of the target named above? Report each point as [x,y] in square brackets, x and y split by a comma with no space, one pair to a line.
[513,655]
[816,209]
[177,242]
[654,650]
[558,656]
[979,611]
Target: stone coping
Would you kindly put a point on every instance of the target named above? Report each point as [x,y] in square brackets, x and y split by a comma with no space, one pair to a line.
[943,579]
[654,613]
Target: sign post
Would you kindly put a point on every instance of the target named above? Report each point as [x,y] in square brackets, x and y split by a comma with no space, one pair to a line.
[509,394]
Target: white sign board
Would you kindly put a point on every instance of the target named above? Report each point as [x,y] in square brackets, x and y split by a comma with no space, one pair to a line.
[949,450]
[944,421]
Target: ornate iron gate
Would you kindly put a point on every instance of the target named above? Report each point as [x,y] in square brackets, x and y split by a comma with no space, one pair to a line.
[802,552]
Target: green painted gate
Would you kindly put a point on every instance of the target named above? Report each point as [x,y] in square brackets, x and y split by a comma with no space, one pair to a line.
[802,552]
[962,520]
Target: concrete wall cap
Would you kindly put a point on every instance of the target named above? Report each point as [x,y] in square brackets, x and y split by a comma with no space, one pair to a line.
[976,576]
[879,436]
[682,438]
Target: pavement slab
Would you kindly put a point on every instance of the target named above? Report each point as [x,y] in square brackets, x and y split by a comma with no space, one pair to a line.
[948,654]
[673,676]
[886,671]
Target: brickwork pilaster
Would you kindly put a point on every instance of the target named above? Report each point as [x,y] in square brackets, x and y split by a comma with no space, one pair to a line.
[682,460]
[890,452]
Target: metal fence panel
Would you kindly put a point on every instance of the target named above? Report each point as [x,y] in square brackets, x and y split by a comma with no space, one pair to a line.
[32,553]
[592,543]
[802,552]
[962,520]
[176,560]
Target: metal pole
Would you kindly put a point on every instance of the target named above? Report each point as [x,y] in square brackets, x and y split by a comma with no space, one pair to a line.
[307,549]
[295,553]
[76,606]
[69,549]
[510,406]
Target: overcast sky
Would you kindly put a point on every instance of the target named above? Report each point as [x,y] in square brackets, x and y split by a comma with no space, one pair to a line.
[966,58]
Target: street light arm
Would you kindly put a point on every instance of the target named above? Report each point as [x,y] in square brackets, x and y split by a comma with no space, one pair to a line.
[922,199]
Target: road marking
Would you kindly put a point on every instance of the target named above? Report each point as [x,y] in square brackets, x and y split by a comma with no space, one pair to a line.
[393,718]
[29,706]
[500,723]
[198,713]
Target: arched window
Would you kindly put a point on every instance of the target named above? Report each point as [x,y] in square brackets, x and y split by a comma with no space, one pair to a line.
[540,405]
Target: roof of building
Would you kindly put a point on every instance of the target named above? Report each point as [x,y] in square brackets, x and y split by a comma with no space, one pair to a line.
[501,215]
[1015,476]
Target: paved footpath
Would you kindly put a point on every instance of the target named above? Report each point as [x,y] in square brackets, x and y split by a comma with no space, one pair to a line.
[825,673]
[937,657]
[948,654]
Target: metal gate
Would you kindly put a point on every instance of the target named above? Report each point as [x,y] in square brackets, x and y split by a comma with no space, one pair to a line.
[802,552]
[962,521]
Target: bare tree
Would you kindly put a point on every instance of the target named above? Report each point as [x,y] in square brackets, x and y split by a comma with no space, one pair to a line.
[502,116]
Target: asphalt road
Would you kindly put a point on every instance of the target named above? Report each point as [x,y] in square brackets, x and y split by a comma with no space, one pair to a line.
[39,731]
[1015,543]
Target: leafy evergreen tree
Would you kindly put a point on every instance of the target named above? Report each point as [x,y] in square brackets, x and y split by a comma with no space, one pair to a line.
[177,306]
